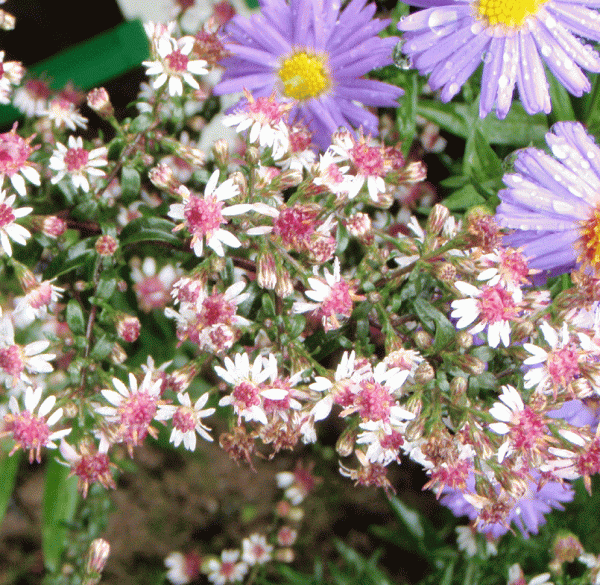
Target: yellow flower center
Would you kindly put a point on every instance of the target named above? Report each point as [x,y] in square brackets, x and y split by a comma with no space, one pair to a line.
[589,241]
[304,75]
[510,13]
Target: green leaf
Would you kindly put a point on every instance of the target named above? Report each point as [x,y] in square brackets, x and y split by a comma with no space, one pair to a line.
[8,476]
[444,330]
[562,108]
[295,325]
[75,317]
[141,123]
[74,257]
[480,159]
[59,506]
[268,305]
[130,183]
[406,116]
[444,115]
[102,348]
[464,198]
[106,285]
[143,229]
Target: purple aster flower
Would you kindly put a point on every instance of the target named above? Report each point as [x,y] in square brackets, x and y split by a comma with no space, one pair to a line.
[552,201]
[527,512]
[310,53]
[513,39]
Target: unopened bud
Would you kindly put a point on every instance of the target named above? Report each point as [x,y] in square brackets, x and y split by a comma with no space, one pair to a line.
[239,180]
[384,200]
[99,101]
[437,218]
[97,556]
[266,275]
[296,514]
[162,177]
[359,225]
[284,287]
[118,354]
[566,548]
[193,156]
[425,373]
[252,155]
[345,444]
[464,339]
[471,364]
[50,225]
[414,430]
[458,387]
[414,172]
[285,555]
[422,339]
[522,331]
[106,245]
[221,151]
[128,328]
[446,272]
[290,178]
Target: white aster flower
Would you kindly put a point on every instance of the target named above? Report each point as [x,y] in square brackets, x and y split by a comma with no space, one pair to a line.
[255,550]
[228,569]
[77,162]
[9,230]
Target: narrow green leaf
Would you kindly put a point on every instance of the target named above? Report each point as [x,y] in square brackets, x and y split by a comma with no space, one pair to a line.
[562,108]
[464,198]
[106,285]
[444,115]
[8,476]
[102,348]
[130,183]
[145,229]
[268,305]
[74,257]
[75,318]
[444,330]
[141,123]
[59,506]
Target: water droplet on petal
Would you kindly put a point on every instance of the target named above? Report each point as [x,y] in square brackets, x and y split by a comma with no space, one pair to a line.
[438,19]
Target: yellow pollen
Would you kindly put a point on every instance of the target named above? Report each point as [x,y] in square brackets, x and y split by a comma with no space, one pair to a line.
[510,13]
[304,75]
[589,241]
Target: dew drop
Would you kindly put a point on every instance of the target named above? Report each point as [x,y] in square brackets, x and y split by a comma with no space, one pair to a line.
[438,19]
[401,60]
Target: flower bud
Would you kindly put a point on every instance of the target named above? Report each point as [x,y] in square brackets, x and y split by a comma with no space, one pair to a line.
[118,355]
[161,176]
[290,178]
[284,287]
[128,328]
[446,272]
[425,373]
[50,225]
[458,387]
[266,274]
[414,430]
[99,101]
[252,155]
[239,180]
[471,364]
[221,151]
[285,555]
[566,548]
[437,218]
[97,556]
[464,339]
[106,245]
[345,444]
[422,339]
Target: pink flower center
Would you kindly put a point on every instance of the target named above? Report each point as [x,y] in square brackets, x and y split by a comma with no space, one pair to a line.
[203,215]
[6,215]
[29,431]
[216,310]
[528,428]
[373,401]
[177,61]
[136,414]
[295,226]
[300,140]
[246,395]
[514,266]
[368,159]
[11,360]
[266,110]
[41,295]
[91,468]
[338,302]
[184,420]
[152,293]
[14,152]
[563,365]
[227,569]
[76,159]
[392,442]
[497,304]
[37,89]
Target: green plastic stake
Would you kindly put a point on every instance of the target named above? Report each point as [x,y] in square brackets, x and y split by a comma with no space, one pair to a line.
[92,62]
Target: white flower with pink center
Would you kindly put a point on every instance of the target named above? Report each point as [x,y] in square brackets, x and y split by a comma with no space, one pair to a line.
[248,382]
[525,429]
[204,216]
[368,161]
[32,97]
[16,359]
[555,368]
[228,569]
[493,307]
[133,409]
[11,73]
[77,162]
[383,441]
[507,267]
[333,297]
[152,286]
[255,550]
[31,431]
[186,420]
[64,114]
[9,229]
[40,295]
[14,152]
[265,117]
[334,178]
[172,64]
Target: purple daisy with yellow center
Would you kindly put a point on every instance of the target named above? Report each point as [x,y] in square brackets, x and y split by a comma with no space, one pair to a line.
[313,55]
[513,39]
[552,202]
